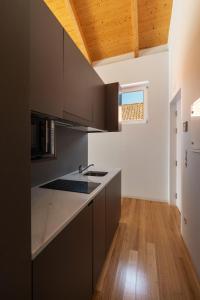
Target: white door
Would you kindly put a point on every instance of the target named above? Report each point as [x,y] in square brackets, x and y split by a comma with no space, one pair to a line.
[178,155]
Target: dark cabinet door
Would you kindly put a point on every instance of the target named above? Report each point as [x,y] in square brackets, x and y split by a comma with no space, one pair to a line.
[113,208]
[46,61]
[112,117]
[15,212]
[83,91]
[99,235]
[64,269]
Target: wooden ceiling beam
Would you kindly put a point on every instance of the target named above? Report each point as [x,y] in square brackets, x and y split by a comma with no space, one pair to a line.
[106,25]
[107,28]
[65,12]
[153,21]
[72,10]
[134,18]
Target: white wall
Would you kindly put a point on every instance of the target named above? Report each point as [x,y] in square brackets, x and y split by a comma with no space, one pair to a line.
[141,150]
[184,45]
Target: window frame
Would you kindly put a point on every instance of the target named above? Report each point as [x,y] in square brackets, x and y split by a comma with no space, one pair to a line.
[135,87]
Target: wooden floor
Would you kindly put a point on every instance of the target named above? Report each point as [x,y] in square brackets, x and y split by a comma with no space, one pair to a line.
[148,258]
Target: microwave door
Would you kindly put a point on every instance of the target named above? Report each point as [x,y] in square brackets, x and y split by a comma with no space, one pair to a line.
[42,138]
[52,137]
[35,138]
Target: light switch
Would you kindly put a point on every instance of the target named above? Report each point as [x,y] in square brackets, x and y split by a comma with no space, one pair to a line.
[185,126]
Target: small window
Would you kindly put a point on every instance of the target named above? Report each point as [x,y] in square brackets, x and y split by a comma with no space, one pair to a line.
[134,103]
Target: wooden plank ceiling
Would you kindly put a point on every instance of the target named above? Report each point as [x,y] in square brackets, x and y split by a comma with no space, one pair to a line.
[107,28]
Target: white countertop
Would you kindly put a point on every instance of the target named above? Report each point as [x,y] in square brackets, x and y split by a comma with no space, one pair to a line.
[52,210]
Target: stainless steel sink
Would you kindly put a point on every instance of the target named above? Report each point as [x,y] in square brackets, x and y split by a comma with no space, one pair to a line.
[95,173]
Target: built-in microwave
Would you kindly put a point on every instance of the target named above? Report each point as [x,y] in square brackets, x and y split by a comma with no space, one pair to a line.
[42,137]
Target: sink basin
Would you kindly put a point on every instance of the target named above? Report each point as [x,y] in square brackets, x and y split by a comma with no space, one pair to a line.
[95,173]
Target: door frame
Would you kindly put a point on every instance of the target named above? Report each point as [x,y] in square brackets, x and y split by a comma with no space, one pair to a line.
[173,148]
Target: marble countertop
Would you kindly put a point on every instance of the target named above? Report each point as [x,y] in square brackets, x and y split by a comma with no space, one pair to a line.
[52,210]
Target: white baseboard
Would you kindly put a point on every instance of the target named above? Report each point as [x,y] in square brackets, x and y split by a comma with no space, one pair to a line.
[144,198]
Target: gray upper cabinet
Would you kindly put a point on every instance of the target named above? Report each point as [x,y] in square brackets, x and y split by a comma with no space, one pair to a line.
[63,84]
[46,61]
[83,90]
[112,122]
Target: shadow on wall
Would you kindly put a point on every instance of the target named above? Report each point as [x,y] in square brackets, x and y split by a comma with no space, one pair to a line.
[71,151]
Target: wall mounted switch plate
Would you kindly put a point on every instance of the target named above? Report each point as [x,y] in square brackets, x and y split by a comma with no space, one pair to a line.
[185,126]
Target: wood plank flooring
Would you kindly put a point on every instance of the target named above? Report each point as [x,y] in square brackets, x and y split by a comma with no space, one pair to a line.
[148,258]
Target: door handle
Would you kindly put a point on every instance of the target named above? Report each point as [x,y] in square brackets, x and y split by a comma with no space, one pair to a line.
[186,158]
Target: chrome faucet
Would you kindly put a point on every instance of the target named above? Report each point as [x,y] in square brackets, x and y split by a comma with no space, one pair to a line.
[81,169]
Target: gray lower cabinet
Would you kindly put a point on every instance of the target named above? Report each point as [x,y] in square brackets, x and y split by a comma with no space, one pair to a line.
[113,208]
[106,216]
[63,270]
[69,267]
[99,234]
